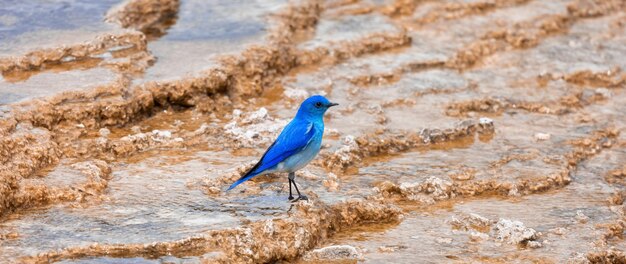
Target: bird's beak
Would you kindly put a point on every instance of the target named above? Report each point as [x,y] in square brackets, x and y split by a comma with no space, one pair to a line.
[332,104]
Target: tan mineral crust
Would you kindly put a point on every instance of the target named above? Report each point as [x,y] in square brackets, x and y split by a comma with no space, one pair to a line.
[487,131]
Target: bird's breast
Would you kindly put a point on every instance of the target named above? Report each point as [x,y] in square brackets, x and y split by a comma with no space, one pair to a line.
[299,160]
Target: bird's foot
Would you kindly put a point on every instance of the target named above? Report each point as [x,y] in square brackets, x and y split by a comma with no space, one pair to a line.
[301,197]
[290,197]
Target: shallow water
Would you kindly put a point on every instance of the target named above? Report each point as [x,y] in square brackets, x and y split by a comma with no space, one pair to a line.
[24,22]
[204,31]
[458,120]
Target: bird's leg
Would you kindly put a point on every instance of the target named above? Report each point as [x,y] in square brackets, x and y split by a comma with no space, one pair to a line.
[291,177]
[290,196]
[300,196]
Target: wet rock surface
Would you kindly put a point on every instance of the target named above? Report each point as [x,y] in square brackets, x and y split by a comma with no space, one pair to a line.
[467,131]
[341,252]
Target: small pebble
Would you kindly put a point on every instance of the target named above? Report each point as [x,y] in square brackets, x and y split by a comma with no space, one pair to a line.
[581,217]
[104,132]
[542,136]
[534,244]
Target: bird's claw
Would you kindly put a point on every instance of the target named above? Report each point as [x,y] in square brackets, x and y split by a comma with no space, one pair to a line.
[301,197]
[290,198]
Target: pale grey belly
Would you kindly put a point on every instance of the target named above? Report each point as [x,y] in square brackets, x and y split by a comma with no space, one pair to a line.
[299,160]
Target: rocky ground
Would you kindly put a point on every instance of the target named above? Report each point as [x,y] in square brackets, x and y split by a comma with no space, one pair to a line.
[468,131]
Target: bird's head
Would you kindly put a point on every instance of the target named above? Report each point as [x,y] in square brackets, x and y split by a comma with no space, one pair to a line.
[315,106]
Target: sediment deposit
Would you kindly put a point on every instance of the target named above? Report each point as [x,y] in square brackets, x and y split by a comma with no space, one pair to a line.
[481,131]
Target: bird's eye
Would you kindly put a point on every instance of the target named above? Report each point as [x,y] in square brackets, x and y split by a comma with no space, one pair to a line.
[318,104]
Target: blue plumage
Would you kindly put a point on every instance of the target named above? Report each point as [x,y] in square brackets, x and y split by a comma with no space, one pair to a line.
[297,144]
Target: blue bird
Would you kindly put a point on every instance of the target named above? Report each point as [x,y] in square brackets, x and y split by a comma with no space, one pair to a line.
[296,146]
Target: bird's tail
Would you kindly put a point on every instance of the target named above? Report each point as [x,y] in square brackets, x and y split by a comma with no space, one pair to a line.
[243,178]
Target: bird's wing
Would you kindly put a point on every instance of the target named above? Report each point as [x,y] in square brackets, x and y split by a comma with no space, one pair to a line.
[294,137]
